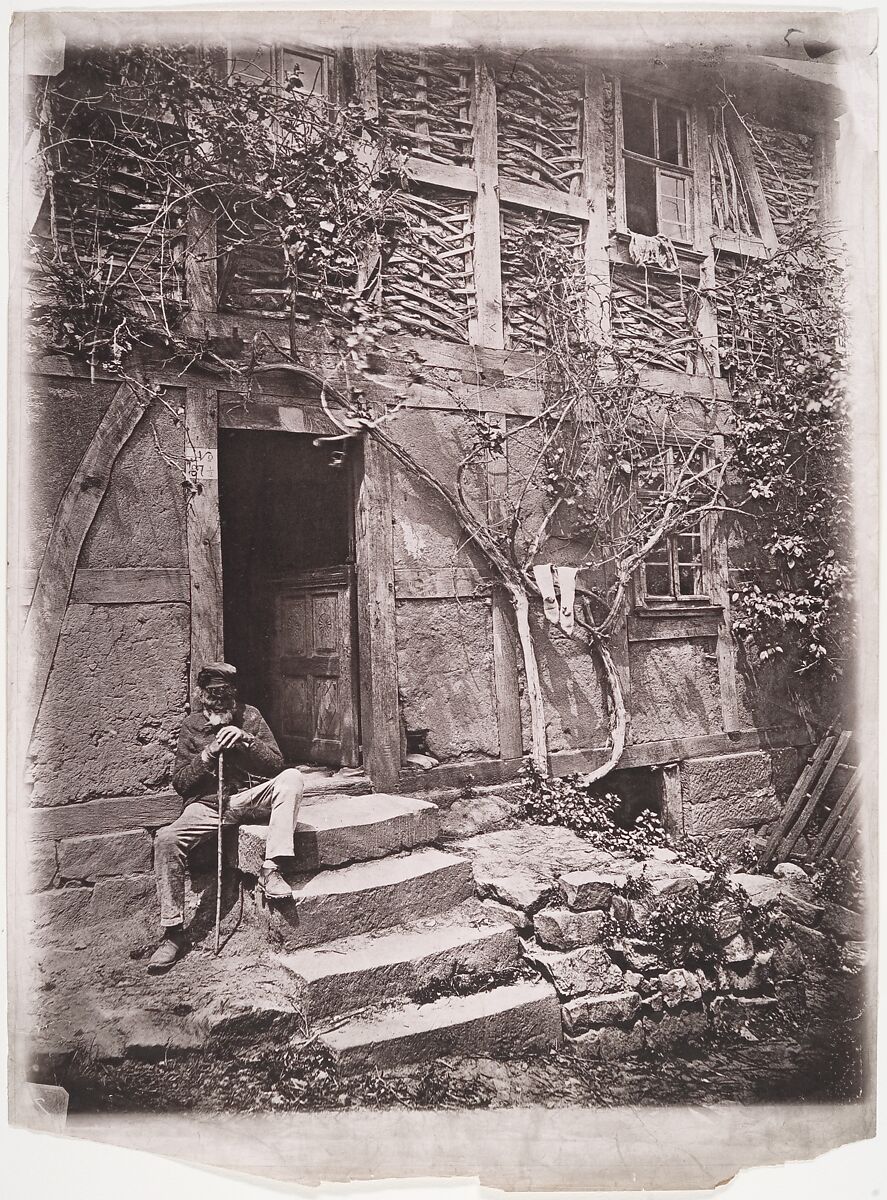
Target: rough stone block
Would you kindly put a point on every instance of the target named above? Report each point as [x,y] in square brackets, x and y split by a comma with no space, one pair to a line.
[42,865]
[679,987]
[853,957]
[738,950]
[787,961]
[729,794]
[121,897]
[367,896]
[791,995]
[791,871]
[800,910]
[743,979]
[732,1012]
[608,1044]
[640,955]
[575,972]
[688,1028]
[586,1012]
[843,922]
[728,922]
[57,911]
[96,856]
[334,830]
[505,912]
[586,890]
[566,930]
[631,914]
[814,945]
[521,1018]
[669,879]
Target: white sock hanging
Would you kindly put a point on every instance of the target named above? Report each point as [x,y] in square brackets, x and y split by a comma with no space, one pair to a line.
[545,584]
[565,578]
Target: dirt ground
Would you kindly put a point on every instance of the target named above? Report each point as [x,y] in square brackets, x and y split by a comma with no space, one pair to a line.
[224,1035]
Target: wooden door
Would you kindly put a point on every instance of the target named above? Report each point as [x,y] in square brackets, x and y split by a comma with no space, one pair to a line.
[312,672]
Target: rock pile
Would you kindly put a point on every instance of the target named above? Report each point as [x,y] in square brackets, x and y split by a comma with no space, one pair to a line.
[596,934]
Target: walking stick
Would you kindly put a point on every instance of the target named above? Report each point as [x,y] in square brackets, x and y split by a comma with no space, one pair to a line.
[221,799]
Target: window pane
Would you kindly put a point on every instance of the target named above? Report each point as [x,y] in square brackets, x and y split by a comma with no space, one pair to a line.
[640,197]
[690,581]
[673,220]
[657,578]
[689,553]
[307,69]
[637,124]
[672,135]
[253,61]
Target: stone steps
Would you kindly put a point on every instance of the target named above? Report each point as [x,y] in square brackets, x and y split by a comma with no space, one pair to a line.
[366,896]
[338,829]
[323,781]
[514,1019]
[372,969]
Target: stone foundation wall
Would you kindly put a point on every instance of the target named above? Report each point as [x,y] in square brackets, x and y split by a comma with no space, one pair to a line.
[727,799]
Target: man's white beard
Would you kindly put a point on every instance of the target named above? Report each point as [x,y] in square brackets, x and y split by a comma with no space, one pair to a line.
[220,718]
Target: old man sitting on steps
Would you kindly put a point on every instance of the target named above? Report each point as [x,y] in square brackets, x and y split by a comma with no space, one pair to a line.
[220,723]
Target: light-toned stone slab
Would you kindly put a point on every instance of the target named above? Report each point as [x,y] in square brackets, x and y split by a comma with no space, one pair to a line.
[349,973]
[586,890]
[373,895]
[612,1008]
[519,1018]
[334,830]
[575,972]
[565,930]
[608,1044]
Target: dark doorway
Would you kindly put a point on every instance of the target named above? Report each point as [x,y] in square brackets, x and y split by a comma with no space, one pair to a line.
[288,583]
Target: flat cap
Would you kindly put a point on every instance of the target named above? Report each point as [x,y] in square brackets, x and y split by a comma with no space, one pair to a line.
[217,672]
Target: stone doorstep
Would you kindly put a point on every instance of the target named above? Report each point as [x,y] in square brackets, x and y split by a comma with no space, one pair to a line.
[367,896]
[354,972]
[339,829]
[520,1018]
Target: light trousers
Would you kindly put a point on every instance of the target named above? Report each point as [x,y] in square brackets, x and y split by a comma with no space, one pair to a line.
[275,801]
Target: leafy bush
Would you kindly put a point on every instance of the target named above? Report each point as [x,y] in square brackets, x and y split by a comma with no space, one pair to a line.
[590,812]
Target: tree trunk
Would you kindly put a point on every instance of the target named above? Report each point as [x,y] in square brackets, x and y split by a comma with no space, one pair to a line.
[538,735]
[618,714]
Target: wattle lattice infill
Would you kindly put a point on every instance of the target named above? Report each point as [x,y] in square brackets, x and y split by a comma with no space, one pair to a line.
[424,96]
[539,114]
[428,283]
[522,289]
[651,315]
[110,217]
[785,164]
[731,207]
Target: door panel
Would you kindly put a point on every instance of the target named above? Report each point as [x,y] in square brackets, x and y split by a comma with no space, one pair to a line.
[311,671]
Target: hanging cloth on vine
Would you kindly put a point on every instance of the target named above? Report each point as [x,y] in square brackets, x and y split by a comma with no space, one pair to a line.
[558,611]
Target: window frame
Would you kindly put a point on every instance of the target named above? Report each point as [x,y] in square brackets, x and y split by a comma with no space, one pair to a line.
[646,601]
[689,172]
[327,57]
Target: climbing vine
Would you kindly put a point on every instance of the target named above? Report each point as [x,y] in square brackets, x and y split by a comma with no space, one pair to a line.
[783,325]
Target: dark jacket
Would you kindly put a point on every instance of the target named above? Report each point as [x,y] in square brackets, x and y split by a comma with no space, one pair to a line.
[193,778]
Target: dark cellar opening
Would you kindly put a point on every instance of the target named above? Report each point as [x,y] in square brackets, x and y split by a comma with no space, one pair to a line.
[286,508]
[639,790]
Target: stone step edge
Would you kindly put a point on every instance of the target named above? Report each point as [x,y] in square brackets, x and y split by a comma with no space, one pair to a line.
[446,1013]
[396,944]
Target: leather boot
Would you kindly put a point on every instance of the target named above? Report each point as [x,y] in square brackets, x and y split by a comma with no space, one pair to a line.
[169,951]
[273,884]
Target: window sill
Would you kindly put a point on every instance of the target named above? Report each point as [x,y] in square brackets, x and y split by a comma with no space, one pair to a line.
[674,622]
[619,243]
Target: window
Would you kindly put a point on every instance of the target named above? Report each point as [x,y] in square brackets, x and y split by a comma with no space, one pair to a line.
[675,569]
[657,172]
[305,70]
